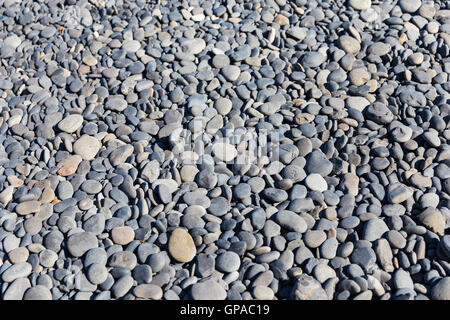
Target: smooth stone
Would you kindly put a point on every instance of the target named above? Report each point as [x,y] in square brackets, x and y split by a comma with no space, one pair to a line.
[122,235]
[97,273]
[28,207]
[16,271]
[81,242]
[87,147]
[181,246]
[116,103]
[38,292]
[71,123]
[228,262]
[316,182]
[224,151]
[374,229]
[120,154]
[349,44]
[410,6]
[148,291]
[263,293]
[441,290]
[16,289]
[397,193]
[208,290]
[360,4]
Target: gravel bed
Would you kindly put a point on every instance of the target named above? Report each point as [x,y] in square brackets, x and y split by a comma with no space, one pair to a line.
[212,149]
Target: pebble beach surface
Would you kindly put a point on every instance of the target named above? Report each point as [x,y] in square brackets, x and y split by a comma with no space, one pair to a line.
[228,150]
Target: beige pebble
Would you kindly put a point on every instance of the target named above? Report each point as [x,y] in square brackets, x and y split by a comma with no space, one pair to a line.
[415,58]
[18,255]
[433,27]
[69,165]
[349,44]
[188,173]
[359,76]
[122,235]
[181,245]
[47,196]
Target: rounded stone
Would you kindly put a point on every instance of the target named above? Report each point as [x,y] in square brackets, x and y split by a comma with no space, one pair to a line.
[441,290]
[87,147]
[71,123]
[316,182]
[181,245]
[79,243]
[122,235]
[360,4]
[38,292]
[97,273]
[148,291]
[208,290]
[224,151]
[228,262]
[263,293]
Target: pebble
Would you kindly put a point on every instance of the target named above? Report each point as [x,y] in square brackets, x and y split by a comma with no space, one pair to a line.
[38,292]
[410,6]
[87,147]
[28,207]
[308,288]
[360,4]
[224,151]
[208,290]
[441,290]
[79,243]
[268,150]
[181,246]
[228,262]
[316,182]
[71,123]
[122,235]
[148,291]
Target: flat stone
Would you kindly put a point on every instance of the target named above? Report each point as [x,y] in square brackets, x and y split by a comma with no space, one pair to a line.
[432,219]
